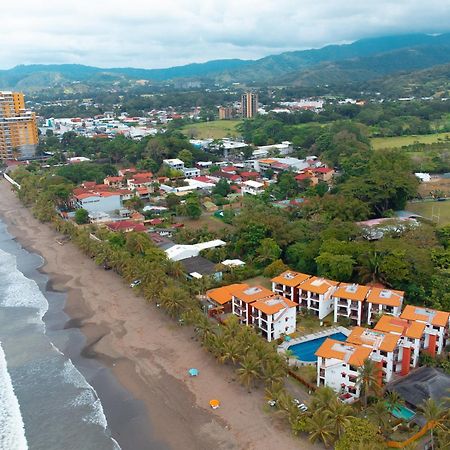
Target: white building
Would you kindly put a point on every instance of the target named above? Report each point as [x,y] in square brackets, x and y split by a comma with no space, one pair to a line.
[174,163]
[179,252]
[285,148]
[252,187]
[349,302]
[98,202]
[242,298]
[337,367]
[191,172]
[316,295]
[423,177]
[383,301]
[274,316]
[287,284]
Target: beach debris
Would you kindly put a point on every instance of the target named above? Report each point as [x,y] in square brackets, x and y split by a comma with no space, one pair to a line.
[135,283]
[272,402]
[214,403]
[193,372]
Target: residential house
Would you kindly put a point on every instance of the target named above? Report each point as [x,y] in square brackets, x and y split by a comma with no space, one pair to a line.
[287,284]
[274,316]
[252,188]
[324,174]
[126,226]
[412,335]
[197,267]
[307,177]
[349,302]
[103,201]
[174,163]
[383,301]
[337,367]
[436,326]
[243,296]
[141,180]
[191,172]
[316,295]
[114,182]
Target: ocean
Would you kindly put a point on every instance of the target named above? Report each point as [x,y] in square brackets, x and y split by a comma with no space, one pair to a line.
[45,401]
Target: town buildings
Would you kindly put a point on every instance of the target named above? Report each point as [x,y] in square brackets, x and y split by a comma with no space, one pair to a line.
[316,296]
[349,302]
[249,105]
[383,301]
[225,113]
[18,129]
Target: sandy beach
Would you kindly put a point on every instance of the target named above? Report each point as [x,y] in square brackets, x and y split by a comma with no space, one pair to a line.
[148,353]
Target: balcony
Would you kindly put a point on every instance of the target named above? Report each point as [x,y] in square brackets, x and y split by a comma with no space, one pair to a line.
[342,304]
[343,311]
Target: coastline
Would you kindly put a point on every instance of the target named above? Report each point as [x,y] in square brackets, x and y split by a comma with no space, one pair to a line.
[148,354]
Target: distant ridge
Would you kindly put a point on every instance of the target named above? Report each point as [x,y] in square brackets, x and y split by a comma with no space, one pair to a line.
[360,60]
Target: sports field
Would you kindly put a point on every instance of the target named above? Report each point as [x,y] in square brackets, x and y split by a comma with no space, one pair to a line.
[216,129]
[439,212]
[400,141]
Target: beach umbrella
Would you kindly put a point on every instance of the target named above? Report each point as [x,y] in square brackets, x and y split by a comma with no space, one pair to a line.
[193,372]
[214,403]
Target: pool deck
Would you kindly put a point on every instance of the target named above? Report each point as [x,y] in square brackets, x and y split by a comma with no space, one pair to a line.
[309,337]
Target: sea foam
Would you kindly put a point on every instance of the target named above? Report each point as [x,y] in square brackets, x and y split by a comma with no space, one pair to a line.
[12,432]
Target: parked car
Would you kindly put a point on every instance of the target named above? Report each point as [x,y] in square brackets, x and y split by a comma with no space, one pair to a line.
[135,283]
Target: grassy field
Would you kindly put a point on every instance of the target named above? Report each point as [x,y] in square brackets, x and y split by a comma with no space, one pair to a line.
[400,141]
[206,220]
[216,129]
[432,208]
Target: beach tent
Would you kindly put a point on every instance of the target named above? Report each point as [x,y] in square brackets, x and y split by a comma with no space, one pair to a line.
[214,404]
[193,372]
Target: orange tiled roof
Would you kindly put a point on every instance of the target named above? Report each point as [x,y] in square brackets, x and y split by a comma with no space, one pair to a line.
[318,285]
[427,315]
[374,338]
[387,297]
[273,304]
[250,294]
[344,351]
[290,278]
[391,324]
[222,295]
[349,291]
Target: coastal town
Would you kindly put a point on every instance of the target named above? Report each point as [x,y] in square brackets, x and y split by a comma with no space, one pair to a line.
[366,345]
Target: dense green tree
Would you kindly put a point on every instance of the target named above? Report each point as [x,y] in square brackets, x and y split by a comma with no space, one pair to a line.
[81,216]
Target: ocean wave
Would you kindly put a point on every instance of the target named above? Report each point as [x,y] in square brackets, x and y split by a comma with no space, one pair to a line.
[12,431]
[18,290]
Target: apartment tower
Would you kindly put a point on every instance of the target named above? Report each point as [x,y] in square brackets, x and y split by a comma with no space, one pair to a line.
[18,129]
[249,102]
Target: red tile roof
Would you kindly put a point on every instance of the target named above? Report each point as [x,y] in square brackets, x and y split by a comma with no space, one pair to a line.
[124,225]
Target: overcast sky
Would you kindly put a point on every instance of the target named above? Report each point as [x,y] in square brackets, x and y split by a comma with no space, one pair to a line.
[162,33]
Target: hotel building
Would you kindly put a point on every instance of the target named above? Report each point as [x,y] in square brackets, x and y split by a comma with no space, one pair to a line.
[383,301]
[18,129]
[316,295]
[349,302]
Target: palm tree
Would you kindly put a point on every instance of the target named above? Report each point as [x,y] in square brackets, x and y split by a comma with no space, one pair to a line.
[288,354]
[435,414]
[339,415]
[320,428]
[378,414]
[248,372]
[230,352]
[368,379]
[273,371]
[393,399]
[369,270]
[322,397]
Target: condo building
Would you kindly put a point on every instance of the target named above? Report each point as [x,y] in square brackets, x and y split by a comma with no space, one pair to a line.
[249,105]
[383,301]
[18,128]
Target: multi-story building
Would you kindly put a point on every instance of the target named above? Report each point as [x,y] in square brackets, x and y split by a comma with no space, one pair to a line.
[384,346]
[316,295]
[242,298]
[436,326]
[274,316]
[337,367]
[287,284]
[349,302]
[95,202]
[18,129]
[252,187]
[412,336]
[222,297]
[383,301]
[174,163]
[249,105]
[225,113]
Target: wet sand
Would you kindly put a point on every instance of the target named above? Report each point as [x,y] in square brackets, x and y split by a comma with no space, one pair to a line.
[149,355]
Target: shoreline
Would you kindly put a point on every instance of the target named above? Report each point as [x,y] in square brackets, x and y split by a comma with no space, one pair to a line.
[148,354]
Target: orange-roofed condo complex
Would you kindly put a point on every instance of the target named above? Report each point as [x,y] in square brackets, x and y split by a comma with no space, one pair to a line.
[222,297]
[337,367]
[274,316]
[243,296]
[316,295]
[349,302]
[18,128]
[383,301]
[436,326]
[287,284]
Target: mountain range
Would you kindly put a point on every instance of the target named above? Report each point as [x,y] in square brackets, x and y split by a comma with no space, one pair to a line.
[361,60]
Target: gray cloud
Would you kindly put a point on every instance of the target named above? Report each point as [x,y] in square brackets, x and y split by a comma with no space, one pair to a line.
[161,33]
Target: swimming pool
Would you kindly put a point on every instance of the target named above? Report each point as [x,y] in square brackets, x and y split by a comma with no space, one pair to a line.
[402,412]
[304,351]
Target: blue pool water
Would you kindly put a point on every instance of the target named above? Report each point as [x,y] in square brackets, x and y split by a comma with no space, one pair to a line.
[305,350]
[402,412]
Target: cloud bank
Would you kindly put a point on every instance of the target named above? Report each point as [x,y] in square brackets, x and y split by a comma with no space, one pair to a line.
[163,33]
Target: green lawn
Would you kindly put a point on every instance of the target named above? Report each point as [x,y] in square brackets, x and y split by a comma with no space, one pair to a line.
[216,129]
[400,141]
[433,208]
